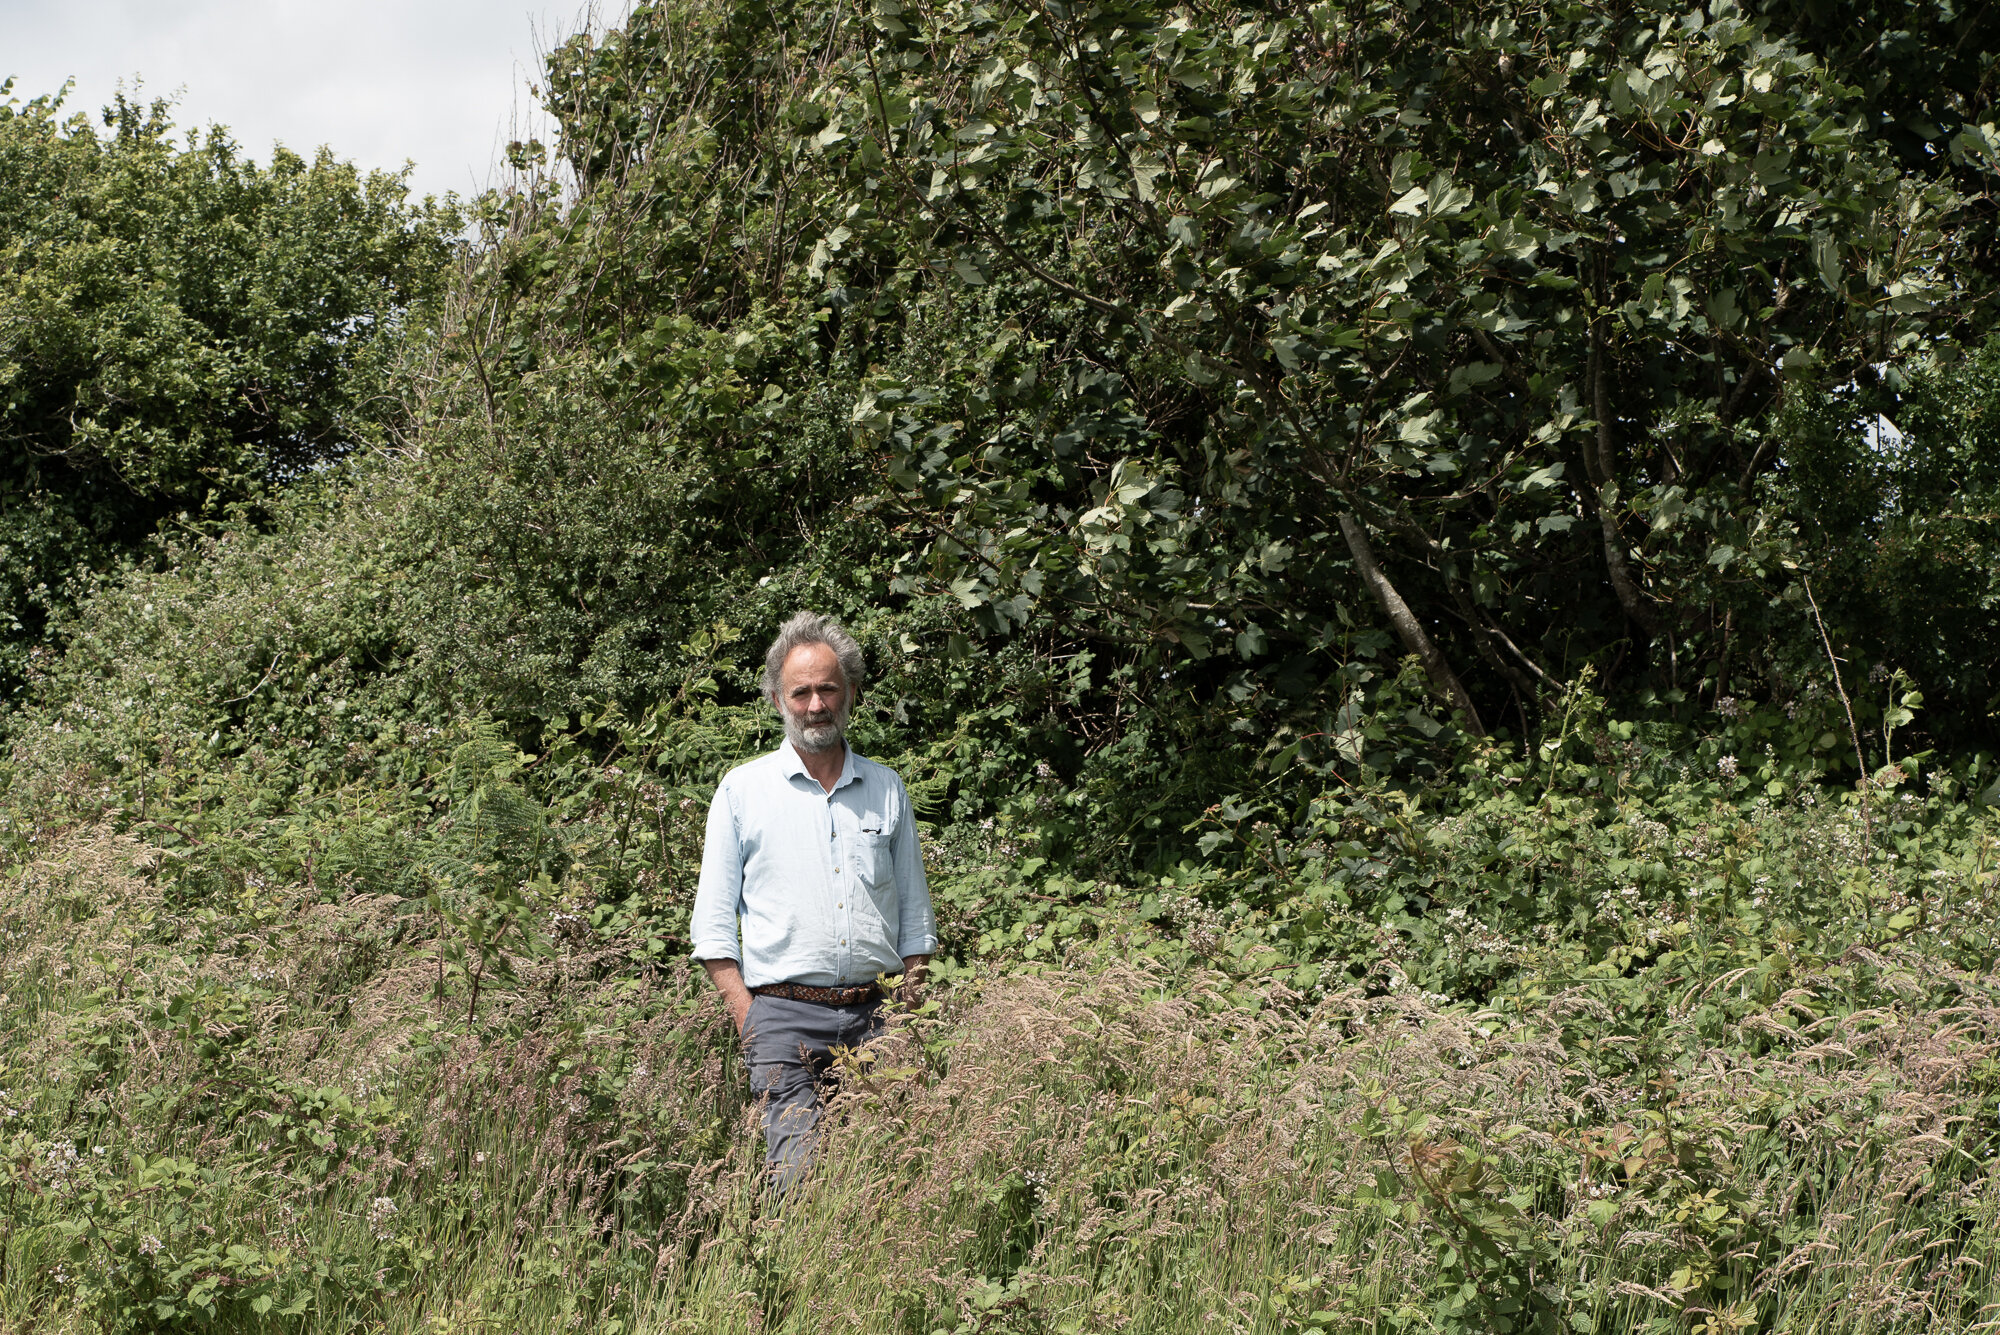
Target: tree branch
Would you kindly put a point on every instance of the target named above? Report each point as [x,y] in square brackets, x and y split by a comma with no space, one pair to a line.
[1408,629]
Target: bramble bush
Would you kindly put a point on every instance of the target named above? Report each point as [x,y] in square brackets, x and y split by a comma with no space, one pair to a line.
[1645,1043]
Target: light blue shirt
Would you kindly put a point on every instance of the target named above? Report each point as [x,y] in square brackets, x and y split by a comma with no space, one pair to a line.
[828,887]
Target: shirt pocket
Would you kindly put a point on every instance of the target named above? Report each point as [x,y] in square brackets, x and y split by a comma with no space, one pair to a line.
[875,866]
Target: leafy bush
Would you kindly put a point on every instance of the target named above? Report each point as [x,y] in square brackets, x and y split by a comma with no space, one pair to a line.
[1897,497]
[187,331]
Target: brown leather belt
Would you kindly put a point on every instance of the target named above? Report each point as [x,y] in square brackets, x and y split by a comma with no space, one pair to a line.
[821,996]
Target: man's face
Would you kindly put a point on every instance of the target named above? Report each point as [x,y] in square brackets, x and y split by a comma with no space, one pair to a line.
[814,698]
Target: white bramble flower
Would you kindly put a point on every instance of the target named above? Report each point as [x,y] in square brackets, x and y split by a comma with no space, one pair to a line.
[59,1161]
[379,1215]
[1727,767]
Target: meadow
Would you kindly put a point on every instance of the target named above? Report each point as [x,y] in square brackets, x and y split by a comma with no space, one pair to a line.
[1720,1071]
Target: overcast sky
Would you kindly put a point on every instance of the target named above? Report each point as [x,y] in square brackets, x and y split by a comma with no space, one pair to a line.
[439,82]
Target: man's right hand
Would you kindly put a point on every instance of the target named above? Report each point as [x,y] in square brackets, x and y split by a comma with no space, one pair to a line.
[727,976]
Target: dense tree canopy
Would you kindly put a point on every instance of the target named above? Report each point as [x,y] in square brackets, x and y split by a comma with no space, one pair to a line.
[1262,345]
[180,329]
[1927,71]
[1184,403]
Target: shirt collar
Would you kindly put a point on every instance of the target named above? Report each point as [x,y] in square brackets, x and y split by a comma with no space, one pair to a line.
[792,765]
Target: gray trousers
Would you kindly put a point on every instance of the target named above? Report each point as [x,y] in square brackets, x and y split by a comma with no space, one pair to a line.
[790,1047]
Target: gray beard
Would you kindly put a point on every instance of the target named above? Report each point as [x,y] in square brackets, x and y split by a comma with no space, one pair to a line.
[815,737]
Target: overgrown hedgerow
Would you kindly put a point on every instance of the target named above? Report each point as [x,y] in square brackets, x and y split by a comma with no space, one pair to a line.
[1755,1101]
[1634,975]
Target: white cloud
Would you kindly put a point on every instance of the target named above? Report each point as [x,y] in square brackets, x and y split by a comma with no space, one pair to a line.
[443,83]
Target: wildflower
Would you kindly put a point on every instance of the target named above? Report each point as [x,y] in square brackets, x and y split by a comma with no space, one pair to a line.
[1727,766]
[149,1245]
[59,1160]
[379,1215]
[1729,707]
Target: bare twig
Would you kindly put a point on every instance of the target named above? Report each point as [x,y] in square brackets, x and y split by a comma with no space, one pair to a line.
[1854,732]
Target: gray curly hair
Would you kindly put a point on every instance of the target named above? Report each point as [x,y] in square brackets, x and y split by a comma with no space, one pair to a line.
[812,628]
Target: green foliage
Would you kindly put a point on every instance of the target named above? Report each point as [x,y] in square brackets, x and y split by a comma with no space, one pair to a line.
[185,331]
[894,327]
[1489,1246]
[1901,529]
[1618,910]
[1116,374]
[1329,331]
[1925,68]
[139,1243]
[502,857]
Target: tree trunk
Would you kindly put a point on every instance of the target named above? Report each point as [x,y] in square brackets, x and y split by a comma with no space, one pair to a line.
[1408,629]
[1630,596]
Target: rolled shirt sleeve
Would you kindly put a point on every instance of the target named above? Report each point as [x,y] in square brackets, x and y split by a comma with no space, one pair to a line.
[917,932]
[718,899]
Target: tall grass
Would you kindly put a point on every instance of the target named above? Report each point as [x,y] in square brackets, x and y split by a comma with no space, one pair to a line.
[1094,1145]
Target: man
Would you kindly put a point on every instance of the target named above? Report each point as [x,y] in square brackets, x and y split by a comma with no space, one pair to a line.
[813,851]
